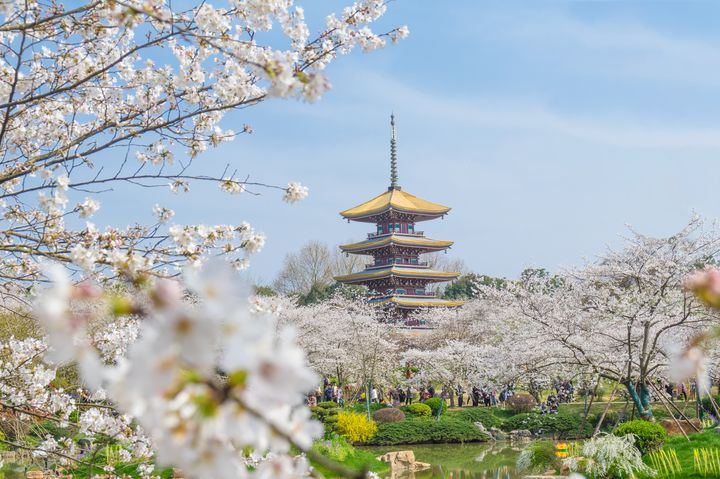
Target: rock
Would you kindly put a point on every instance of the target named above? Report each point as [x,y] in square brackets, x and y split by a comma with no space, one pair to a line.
[403,460]
[497,434]
[482,429]
[672,428]
[520,435]
[177,474]
[34,475]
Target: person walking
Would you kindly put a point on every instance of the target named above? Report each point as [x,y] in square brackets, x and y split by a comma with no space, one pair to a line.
[373,395]
[431,390]
[460,394]
[408,395]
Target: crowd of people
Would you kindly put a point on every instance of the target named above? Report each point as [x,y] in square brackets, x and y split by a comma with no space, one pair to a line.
[406,394]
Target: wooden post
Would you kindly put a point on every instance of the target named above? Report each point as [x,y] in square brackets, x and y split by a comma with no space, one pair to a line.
[607,406]
[677,409]
[662,400]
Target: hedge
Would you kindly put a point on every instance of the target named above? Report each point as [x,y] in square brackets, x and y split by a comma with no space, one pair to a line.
[564,425]
[418,431]
[476,414]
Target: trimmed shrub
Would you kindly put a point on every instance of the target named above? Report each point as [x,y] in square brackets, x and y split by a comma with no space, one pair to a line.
[389,414]
[520,403]
[476,414]
[418,409]
[435,404]
[649,436]
[356,427]
[446,430]
[327,404]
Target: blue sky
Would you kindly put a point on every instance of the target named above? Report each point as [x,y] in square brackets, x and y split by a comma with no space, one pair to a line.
[547,126]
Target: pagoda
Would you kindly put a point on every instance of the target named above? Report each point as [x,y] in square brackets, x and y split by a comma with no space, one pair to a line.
[397,279]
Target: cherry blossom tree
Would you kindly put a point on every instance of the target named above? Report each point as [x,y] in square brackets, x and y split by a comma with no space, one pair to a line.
[130,93]
[620,316]
[133,92]
[343,338]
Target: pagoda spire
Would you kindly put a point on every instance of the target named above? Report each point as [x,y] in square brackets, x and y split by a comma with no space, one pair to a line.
[393,156]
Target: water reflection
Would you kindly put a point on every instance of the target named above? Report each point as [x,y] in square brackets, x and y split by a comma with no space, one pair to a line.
[459,461]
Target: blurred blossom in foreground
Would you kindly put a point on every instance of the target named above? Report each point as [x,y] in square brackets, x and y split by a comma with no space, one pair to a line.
[207,377]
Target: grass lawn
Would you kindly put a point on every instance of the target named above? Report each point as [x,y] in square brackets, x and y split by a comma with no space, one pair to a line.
[684,450]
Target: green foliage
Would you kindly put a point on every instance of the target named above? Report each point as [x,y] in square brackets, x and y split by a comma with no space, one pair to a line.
[564,425]
[335,448]
[418,410]
[323,292]
[649,436]
[435,405]
[339,450]
[266,291]
[356,427]
[539,456]
[420,431]
[475,414]
[389,414]
[466,286]
[520,403]
[327,404]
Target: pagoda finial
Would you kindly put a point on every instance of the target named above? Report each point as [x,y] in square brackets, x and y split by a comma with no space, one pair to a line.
[393,156]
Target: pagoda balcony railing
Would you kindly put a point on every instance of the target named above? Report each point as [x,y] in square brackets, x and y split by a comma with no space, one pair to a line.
[427,294]
[377,235]
[419,264]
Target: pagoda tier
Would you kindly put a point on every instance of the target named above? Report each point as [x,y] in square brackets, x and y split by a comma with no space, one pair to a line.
[397,279]
[390,243]
[395,204]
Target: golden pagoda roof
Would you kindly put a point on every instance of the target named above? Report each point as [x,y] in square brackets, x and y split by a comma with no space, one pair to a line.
[397,200]
[397,239]
[409,302]
[400,271]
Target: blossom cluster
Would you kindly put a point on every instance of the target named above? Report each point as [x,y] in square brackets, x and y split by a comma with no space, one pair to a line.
[103,94]
[206,373]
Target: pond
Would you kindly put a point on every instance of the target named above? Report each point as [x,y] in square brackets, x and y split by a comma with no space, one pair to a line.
[460,461]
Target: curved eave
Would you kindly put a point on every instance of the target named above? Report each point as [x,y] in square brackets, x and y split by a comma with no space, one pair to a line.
[375,217]
[420,303]
[395,200]
[420,243]
[430,275]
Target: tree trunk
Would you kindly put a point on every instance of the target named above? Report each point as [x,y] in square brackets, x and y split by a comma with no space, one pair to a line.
[641,401]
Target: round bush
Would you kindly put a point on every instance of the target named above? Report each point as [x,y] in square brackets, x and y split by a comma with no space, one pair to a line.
[419,409]
[520,403]
[389,414]
[435,404]
[327,404]
[649,436]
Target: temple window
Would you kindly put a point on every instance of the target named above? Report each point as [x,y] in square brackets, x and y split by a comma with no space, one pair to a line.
[379,229]
[400,291]
[411,228]
[413,261]
[420,292]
